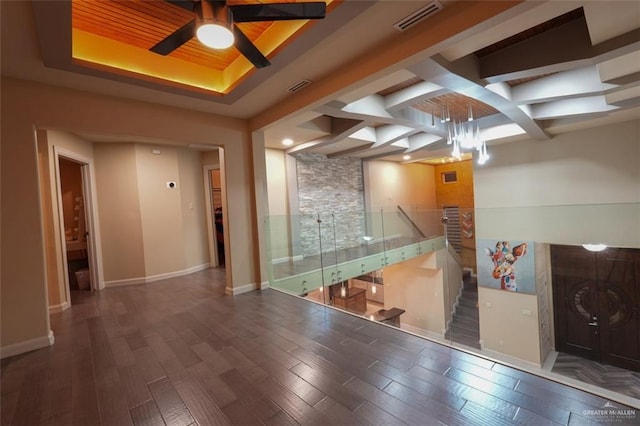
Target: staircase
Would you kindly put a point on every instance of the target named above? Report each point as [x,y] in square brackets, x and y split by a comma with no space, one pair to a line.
[464,327]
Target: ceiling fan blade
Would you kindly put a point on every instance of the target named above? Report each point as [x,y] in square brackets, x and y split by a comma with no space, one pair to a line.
[278,11]
[249,50]
[176,39]
[185,4]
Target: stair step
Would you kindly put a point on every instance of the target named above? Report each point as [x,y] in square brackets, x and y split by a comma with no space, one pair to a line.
[469,302]
[463,332]
[468,311]
[466,322]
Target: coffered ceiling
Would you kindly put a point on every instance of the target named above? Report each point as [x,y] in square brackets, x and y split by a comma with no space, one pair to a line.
[370,80]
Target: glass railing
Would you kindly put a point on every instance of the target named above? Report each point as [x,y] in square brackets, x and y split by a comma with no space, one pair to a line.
[499,291]
[308,252]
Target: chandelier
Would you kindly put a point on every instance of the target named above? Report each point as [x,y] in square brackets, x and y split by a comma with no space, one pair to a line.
[464,134]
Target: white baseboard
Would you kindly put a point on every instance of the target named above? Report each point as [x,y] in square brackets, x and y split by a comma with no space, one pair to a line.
[508,359]
[234,291]
[158,277]
[27,345]
[59,308]
[264,285]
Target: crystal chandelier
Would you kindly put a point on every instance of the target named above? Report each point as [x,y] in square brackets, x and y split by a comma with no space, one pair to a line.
[464,135]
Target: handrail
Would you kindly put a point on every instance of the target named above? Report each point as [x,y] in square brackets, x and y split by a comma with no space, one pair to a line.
[413,224]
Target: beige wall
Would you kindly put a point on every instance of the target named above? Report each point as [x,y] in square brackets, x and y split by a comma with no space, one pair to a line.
[509,323]
[388,184]
[160,210]
[279,214]
[119,212]
[194,225]
[417,287]
[25,105]
[572,176]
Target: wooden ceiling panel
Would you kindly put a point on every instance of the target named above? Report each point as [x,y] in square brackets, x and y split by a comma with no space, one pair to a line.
[143,23]
[457,105]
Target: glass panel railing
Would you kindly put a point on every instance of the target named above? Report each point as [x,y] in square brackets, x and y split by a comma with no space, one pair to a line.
[497,295]
[312,251]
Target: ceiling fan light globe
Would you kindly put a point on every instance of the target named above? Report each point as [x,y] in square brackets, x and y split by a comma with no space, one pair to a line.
[215,36]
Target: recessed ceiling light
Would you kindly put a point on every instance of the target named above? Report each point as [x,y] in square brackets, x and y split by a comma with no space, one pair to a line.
[595,247]
[287,142]
[406,157]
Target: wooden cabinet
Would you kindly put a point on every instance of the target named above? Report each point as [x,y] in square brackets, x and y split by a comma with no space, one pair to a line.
[353,299]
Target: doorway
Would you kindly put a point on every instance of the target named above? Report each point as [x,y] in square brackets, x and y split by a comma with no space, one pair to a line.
[74,225]
[218,223]
[597,304]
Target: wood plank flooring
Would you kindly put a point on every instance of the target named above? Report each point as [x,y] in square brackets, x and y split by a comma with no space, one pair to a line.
[179,352]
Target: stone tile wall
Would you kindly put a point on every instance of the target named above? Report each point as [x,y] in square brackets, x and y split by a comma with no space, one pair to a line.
[333,189]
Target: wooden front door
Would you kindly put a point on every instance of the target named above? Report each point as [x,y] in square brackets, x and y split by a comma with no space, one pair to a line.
[597,304]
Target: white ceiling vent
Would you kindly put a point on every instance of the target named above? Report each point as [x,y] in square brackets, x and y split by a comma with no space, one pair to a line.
[419,15]
[299,85]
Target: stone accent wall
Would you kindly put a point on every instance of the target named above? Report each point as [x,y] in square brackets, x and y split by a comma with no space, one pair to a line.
[334,189]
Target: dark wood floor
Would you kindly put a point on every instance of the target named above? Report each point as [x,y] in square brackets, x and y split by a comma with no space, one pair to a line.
[178,352]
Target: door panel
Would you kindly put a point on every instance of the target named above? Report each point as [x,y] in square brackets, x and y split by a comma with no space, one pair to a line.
[575,301]
[618,278]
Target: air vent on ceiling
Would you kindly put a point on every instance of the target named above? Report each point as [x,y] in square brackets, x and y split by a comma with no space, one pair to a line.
[419,15]
[299,85]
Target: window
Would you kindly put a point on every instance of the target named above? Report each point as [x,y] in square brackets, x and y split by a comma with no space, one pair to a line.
[449,177]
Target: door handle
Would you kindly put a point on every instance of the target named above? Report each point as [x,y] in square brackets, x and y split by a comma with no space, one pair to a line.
[593,324]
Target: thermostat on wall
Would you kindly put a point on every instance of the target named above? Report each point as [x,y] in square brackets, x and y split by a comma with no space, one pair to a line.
[171,185]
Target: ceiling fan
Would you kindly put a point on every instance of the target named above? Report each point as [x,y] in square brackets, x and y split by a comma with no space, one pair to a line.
[214,24]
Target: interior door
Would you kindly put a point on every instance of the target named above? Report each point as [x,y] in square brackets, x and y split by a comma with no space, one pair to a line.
[619,301]
[597,304]
[575,300]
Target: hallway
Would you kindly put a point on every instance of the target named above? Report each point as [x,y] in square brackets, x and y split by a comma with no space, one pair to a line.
[179,352]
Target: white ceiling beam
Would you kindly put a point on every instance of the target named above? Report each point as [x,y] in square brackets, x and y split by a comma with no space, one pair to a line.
[624,97]
[615,70]
[574,83]
[388,134]
[421,140]
[413,95]
[575,106]
[462,77]
[372,105]
[341,128]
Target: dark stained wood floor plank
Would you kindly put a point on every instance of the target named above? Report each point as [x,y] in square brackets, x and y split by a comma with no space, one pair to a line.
[146,414]
[215,387]
[203,409]
[337,413]
[171,406]
[179,348]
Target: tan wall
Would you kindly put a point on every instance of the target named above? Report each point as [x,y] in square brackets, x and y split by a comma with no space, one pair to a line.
[279,214]
[509,323]
[160,210]
[119,212]
[458,194]
[24,293]
[194,226]
[417,287]
[389,184]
